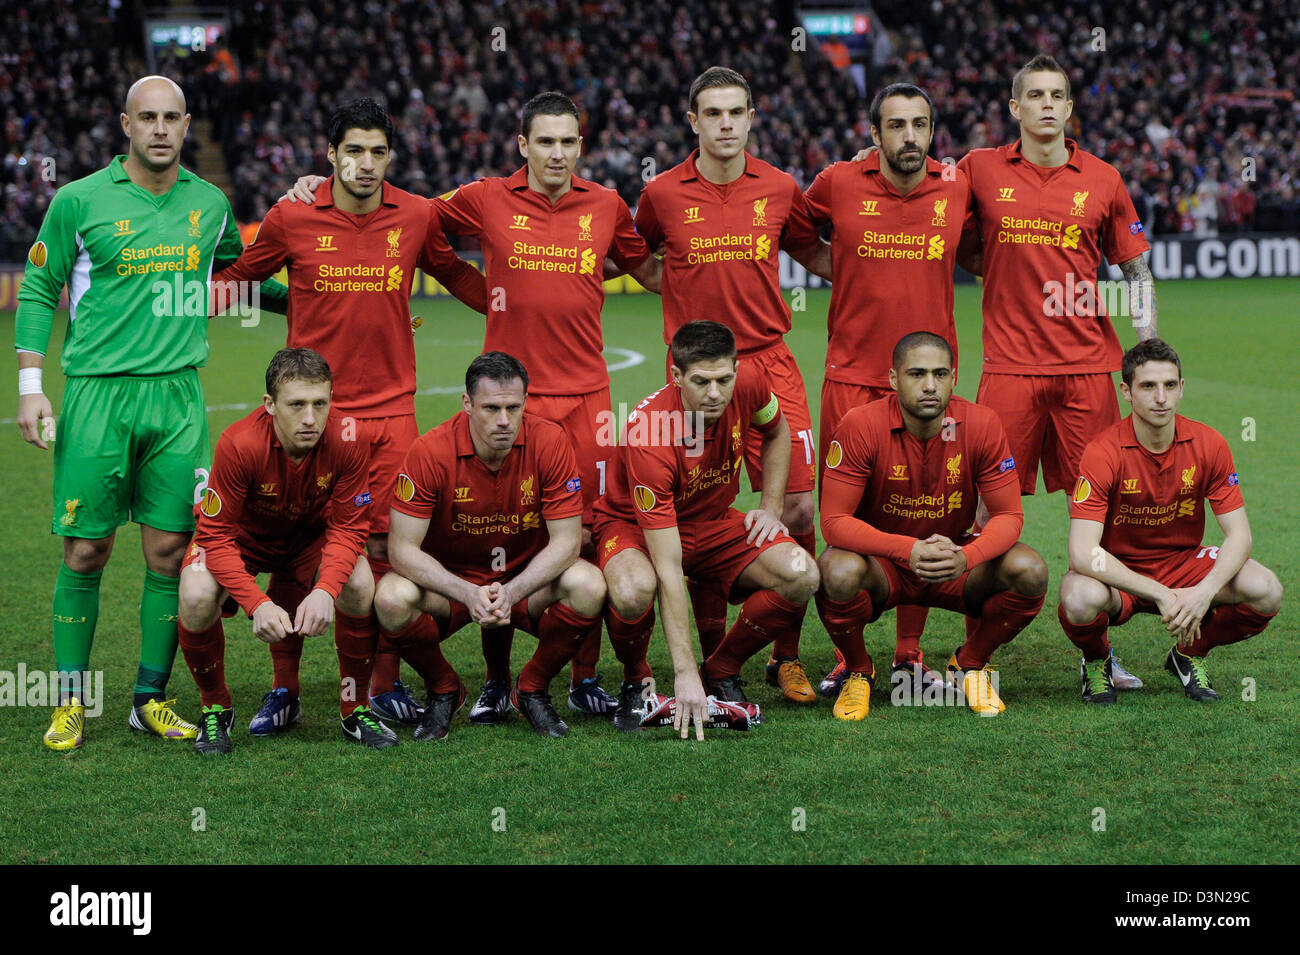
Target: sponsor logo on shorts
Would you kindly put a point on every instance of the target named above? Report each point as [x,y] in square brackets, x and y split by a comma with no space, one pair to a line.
[362,499]
[1233,480]
[1135,228]
[210,505]
[835,455]
[405,488]
[1007,465]
[38,255]
[1082,491]
[645,498]
[573,484]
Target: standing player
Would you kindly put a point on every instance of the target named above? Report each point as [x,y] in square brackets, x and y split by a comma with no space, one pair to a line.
[1136,520]
[352,256]
[902,476]
[132,242]
[722,215]
[288,494]
[486,527]
[1045,212]
[667,510]
[546,234]
[896,213]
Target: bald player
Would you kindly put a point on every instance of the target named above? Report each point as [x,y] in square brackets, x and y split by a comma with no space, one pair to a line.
[133,439]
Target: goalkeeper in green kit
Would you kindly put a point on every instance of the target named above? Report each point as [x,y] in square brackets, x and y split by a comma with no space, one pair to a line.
[136,244]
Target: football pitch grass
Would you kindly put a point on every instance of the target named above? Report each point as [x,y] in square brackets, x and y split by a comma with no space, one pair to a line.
[1155,779]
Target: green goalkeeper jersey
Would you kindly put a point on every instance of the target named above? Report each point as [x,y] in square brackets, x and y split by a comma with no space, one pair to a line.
[137,267]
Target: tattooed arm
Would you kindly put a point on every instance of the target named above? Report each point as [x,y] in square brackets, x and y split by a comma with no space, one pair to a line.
[1142,297]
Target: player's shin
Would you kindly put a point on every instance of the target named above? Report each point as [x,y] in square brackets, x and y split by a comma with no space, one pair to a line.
[159,610]
[786,645]
[76,609]
[709,604]
[496,644]
[1091,637]
[845,621]
[630,640]
[908,628]
[205,655]
[419,644]
[1230,623]
[1003,615]
[560,631]
[764,616]
[355,640]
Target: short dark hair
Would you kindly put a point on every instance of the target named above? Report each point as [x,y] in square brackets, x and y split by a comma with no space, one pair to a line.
[1042,63]
[494,366]
[718,77]
[701,341]
[908,90]
[550,103]
[1153,349]
[916,340]
[359,114]
[296,364]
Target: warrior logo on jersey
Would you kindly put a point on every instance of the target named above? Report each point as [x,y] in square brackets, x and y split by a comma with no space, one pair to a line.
[267,489]
[1079,199]
[760,212]
[645,498]
[835,455]
[394,237]
[38,255]
[527,494]
[520,222]
[1007,194]
[584,228]
[954,469]
[325,243]
[123,227]
[462,496]
[1130,486]
[899,473]
[868,208]
[940,219]
[1189,480]
[210,504]
[1082,491]
[405,488]
[692,215]
[194,223]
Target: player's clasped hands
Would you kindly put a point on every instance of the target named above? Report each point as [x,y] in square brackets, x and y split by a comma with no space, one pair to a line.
[763,526]
[937,558]
[1181,610]
[270,623]
[315,614]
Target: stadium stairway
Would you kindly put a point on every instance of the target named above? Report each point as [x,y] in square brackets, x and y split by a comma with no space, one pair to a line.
[212,164]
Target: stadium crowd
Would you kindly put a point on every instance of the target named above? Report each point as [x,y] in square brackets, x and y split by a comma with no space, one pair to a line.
[1193,101]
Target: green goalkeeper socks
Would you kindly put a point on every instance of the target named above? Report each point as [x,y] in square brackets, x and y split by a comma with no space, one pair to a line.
[158,616]
[76,609]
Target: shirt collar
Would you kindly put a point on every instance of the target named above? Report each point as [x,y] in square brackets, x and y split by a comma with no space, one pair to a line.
[325,195]
[1128,435]
[691,170]
[117,171]
[1015,153]
[519,180]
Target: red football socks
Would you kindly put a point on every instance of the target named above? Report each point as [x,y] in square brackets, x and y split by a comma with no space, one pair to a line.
[560,631]
[844,622]
[205,655]
[1089,637]
[630,640]
[355,640]
[585,660]
[909,625]
[419,643]
[709,604]
[285,656]
[1229,623]
[764,615]
[786,645]
[1003,615]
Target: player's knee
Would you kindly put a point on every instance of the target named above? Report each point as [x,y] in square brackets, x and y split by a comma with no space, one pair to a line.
[632,592]
[396,601]
[84,556]
[197,598]
[358,592]
[797,514]
[842,573]
[798,575]
[584,586]
[1267,592]
[1082,598]
[1027,572]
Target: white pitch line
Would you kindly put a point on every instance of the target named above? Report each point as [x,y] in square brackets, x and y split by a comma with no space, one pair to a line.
[627,358]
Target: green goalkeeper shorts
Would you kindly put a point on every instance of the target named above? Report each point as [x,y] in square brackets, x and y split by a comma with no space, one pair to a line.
[130,448]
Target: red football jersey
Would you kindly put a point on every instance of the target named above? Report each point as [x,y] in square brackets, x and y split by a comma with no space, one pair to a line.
[475,514]
[908,488]
[545,266]
[892,257]
[666,477]
[1152,504]
[350,289]
[721,261]
[1049,225]
[257,496]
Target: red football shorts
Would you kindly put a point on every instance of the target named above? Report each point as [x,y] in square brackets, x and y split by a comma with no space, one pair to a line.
[711,550]
[389,440]
[787,384]
[292,566]
[838,399]
[907,588]
[1050,418]
[581,417]
[1182,570]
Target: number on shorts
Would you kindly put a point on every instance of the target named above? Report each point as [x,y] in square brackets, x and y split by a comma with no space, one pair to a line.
[808,450]
[600,466]
[1212,551]
[200,483]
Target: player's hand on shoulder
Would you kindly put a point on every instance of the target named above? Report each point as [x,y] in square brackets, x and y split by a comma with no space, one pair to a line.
[763,526]
[33,413]
[270,623]
[304,190]
[315,614]
[862,154]
[692,705]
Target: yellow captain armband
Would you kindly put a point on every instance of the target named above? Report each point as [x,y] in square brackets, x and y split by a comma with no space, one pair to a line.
[766,413]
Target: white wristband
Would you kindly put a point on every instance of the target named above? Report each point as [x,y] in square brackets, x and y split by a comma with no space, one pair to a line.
[29,381]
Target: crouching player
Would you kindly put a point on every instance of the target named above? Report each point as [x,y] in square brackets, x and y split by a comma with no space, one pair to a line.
[1136,521]
[485,527]
[287,494]
[667,511]
[902,478]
